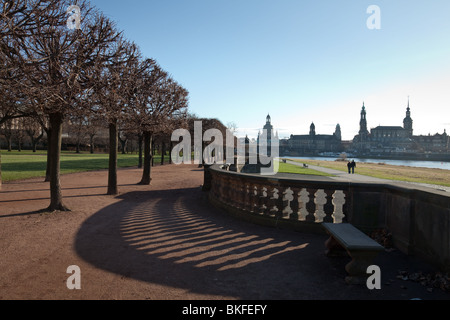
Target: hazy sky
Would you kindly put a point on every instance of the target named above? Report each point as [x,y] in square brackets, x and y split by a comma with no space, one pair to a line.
[302,61]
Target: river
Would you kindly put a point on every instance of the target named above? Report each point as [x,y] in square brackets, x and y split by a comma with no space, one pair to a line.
[409,163]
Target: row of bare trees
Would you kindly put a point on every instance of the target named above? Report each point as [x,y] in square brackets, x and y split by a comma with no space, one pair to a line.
[50,72]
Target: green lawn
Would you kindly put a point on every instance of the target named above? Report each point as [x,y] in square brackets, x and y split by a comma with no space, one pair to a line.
[389,172]
[26,164]
[291,168]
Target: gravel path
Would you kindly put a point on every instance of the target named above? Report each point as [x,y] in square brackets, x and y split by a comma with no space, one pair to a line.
[165,242]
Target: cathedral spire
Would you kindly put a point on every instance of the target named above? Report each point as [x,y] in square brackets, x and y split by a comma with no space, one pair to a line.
[408,122]
[363,132]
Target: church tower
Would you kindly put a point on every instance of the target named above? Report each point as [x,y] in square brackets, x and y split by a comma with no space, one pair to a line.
[268,130]
[312,130]
[338,133]
[363,132]
[268,126]
[408,122]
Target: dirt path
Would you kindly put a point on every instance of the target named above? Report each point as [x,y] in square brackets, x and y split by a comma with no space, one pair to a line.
[163,242]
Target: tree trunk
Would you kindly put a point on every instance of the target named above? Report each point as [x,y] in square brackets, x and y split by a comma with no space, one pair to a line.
[123,144]
[170,151]
[140,138]
[112,173]
[146,174]
[91,140]
[163,151]
[49,157]
[35,141]
[9,140]
[56,203]
[153,151]
[0,167]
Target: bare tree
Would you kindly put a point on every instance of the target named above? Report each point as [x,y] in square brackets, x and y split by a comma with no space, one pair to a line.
[34,131]
[7,131]
[77,130]
[54,60]
[158,100]
[17,19]
[113,92]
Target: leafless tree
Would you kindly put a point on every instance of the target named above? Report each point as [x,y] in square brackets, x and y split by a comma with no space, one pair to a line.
[34,131]
[158,100]
[113,92]
[52,60]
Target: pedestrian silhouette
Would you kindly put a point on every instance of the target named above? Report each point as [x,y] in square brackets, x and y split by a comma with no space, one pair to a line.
[349,166]
[353,166]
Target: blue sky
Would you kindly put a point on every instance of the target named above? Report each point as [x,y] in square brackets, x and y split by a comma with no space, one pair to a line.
[302,61]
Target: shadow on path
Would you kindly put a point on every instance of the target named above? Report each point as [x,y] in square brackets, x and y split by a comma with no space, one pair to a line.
[174,238]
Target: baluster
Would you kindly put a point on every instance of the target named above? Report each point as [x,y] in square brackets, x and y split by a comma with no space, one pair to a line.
[247,197]
[338,202]
[262,200]
[304,199]
[231,185]
[320,200]
[253,197]
[283,203]
[271,203]
[238,193]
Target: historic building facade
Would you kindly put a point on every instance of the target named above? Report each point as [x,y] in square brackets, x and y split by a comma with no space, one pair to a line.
[267,137]
[396,139]
[313,143]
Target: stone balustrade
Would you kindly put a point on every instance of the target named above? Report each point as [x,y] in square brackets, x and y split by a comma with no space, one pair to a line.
[418,218]
[287,199]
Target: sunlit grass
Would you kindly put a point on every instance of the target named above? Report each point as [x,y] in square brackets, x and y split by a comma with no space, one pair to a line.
[26,164]
[292,168]
[389,172]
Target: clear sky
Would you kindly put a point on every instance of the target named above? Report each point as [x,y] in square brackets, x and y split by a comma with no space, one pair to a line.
[302,61]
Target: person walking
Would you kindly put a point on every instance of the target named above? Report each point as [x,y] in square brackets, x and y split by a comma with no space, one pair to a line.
[349,166]
[353,166]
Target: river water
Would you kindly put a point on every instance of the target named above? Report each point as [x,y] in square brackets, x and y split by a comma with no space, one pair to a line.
[409,163]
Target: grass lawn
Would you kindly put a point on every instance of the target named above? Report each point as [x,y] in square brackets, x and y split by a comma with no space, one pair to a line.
[390,172]
[291,168]
[26,164]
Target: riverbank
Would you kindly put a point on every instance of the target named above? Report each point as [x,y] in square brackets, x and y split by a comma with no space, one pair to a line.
[390,172]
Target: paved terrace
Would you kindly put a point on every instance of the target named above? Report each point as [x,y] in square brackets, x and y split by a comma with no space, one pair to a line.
[165,242]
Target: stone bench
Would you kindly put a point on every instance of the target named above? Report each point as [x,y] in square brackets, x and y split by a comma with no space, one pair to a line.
[345,238]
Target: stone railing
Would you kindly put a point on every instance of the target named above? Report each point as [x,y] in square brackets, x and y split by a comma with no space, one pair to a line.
[418,218]
[280,198]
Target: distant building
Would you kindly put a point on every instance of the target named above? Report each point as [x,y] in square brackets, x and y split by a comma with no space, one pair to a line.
[396,139]
[265,138]
[433,143]
[313,143]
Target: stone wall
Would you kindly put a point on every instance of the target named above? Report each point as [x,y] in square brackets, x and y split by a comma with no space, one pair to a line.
[417,218]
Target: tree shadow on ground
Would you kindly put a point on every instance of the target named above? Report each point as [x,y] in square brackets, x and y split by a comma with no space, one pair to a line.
[175,238]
